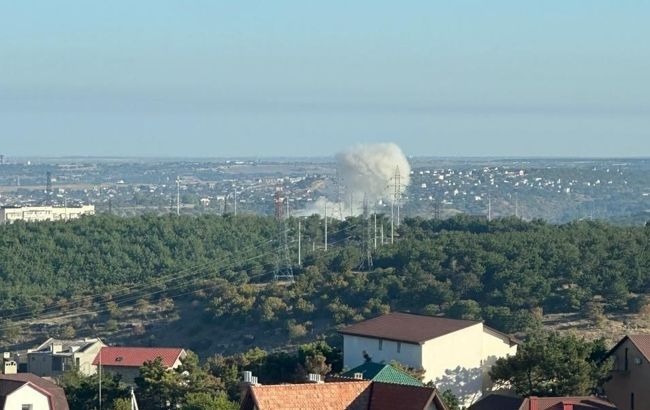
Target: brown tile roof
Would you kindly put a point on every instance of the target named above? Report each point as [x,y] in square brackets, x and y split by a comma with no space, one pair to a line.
[642,342]
[325,396]
[557,403]
[56,393]
[407,327]
[389,396]
[497,402]
[504,402]
[351,395]
[136,356]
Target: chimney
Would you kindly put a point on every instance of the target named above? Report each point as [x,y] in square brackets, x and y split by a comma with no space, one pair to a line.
[532,403]
[9,367]
[567,406]
[56,347]
[314,378]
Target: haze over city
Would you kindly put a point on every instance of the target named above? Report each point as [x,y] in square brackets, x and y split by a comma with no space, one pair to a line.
[290,78]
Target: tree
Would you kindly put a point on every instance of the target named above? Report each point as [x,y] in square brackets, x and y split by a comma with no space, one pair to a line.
[158,387]
[549,364]
[82,391]
[451,401]
[208,401]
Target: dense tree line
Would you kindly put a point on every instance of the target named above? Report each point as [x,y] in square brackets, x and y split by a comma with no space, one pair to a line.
[505,271]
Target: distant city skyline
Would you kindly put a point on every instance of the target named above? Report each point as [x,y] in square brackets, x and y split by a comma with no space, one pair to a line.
[218,79]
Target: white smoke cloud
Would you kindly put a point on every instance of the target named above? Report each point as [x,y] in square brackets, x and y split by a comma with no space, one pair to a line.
[366,171]
[370,170]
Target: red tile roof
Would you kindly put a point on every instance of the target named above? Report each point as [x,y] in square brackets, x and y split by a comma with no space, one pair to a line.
[136,356]
[407,327]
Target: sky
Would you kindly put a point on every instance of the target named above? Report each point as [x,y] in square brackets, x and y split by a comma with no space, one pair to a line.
[309,78]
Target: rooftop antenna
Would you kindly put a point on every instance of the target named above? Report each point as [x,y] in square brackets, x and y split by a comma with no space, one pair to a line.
[283,268]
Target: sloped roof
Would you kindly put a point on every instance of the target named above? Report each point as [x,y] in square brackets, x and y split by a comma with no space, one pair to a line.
[67,345]
[326,396]
[498,402]
[504,402]
[389,396]
[579,403]
[15,381]
[351,395]
[380,372]
[407,327]
[642,343]
[136,356]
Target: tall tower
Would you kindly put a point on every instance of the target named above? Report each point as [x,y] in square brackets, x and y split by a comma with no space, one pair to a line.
[48,188]
[283,267]
[366,263]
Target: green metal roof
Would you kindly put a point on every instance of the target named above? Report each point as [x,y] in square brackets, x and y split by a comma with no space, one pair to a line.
[385,373]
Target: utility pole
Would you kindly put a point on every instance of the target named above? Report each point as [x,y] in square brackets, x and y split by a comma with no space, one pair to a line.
[325,225]
[235,205]
[299,243]
[375,224]
[178,196]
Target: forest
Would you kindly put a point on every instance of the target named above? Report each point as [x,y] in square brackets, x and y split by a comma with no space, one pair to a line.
[506,272]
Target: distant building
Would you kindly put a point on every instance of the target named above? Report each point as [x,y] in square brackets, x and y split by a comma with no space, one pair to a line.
[126,361]
[454,354]
[55,356]
[9,214]
[379,372]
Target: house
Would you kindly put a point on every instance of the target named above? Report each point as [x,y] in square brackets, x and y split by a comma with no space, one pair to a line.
[26,391]
[126,361]
[379,372]
[628,385]
[503,402]
[454,354]
[54,356]
[352,395]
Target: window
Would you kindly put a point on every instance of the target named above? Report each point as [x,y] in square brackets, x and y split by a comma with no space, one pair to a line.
[399,347]
[631,401]
[26,407]
[381,344]
[77,362]
[625,365]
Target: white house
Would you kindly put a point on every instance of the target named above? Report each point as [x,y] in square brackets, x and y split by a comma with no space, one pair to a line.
[26,391]
[455,354]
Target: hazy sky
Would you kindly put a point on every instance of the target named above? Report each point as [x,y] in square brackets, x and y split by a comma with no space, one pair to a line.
[308,78]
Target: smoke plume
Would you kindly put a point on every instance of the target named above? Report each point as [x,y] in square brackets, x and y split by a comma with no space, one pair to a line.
[370,170]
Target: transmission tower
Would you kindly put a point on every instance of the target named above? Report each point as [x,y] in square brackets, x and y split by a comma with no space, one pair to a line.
[283,269]
[48,188]
[366,263]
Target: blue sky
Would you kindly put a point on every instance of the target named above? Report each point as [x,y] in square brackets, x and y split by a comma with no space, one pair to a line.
[305,78]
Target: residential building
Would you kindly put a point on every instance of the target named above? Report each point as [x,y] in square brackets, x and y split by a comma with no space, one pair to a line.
[126,361]
[351,395]
[54,356]
[628,385]
[504,402]
[454,354]
[10,214]
[26,391]
[379,372]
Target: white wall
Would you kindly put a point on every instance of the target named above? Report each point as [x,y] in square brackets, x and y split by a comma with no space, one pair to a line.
[354,346]
[494,347]
[27,395]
